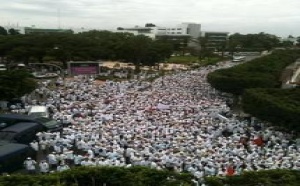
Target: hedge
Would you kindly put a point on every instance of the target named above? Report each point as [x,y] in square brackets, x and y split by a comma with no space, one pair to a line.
[142,176]
[279,177]
[99,176]
[264,72]
[279,106]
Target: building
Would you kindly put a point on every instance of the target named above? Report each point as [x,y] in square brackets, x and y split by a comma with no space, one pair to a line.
[215,40]
[192,29]
[146,31]
[185,29]
[181,36]
[32,30]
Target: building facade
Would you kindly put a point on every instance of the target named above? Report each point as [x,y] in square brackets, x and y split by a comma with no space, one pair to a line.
[146,31]
[33,30]
[215,40]
[184,30]
[182,35]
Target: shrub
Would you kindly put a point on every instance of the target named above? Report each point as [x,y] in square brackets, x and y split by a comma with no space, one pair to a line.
[279,106]
[99,176]
[262,72]
[259,178]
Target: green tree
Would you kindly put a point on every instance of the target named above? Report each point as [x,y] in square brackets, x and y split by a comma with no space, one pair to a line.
[13,31]
[158,52]
[15,84]
[235,42]
[286,44]
[137,48]
[92,45]
[3,31]
[205,51]
[279,106]
[253,42]
[19,54]
[179,44]
[264,72]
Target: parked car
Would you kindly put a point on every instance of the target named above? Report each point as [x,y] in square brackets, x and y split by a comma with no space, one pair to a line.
[3,67]
[50,125]
[24,132]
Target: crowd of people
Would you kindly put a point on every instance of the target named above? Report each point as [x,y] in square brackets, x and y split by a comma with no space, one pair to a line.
[177,122]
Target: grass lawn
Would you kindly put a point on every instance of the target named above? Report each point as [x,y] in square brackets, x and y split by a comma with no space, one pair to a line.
[183,59]
[188,60]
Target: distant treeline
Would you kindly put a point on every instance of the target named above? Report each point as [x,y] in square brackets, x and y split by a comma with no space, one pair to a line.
[92,45]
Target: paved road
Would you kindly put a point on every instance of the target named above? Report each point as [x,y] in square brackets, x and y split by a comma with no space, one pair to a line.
[296,75]
[249,58]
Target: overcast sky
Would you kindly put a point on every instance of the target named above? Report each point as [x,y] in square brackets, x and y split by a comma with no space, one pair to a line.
[280,17]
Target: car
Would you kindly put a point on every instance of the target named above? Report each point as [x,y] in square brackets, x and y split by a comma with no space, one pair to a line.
[3,67]
[50,125]
[238,58]
[23,132]
[39,111]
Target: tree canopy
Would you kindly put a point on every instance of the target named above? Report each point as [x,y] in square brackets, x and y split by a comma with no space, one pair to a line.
[264,72]
[3,31]
[15,84]
[252,42]
[279,106]
[92,45]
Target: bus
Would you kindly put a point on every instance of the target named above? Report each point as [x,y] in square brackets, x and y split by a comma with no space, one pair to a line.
[12,156]
[49,124]
[23,133]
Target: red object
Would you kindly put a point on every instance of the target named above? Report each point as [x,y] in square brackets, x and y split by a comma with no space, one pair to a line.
[230,171]
[258,141]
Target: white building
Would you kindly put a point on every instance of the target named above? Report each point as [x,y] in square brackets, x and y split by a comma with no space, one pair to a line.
[147,31]
[185,29]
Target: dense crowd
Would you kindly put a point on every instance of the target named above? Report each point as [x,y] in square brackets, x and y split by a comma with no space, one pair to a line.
[178,122]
